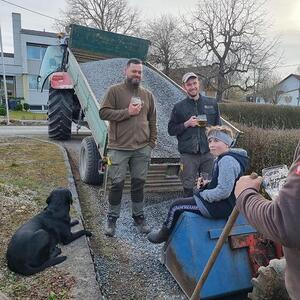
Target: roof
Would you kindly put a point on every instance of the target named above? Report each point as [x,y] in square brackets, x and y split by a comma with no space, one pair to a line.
[39,33]
[294,75]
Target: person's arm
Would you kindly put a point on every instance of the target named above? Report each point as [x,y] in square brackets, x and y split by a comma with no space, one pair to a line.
[278,220]
[108,109]
[229,170]
[152,123]
[175,128]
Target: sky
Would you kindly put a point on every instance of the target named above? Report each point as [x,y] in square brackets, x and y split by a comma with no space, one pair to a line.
[284,15]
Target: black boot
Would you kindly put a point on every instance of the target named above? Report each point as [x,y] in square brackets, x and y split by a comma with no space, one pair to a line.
[159,236]
[141,224]
[110,229]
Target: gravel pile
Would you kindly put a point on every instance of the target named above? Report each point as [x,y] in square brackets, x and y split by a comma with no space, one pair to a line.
[104,73]
[135,259]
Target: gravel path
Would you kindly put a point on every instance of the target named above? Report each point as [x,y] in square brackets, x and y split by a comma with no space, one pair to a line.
[104,73]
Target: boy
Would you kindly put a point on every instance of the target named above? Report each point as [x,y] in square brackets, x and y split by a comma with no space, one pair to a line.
[215,198]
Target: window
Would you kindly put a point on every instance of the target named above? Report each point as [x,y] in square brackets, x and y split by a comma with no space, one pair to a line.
[32,79]
[36,51]
[10,85]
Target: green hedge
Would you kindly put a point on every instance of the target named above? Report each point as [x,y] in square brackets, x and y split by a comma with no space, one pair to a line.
[262,115]
[268,147]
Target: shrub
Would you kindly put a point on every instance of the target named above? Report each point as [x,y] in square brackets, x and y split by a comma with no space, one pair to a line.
[267,147]
[262,115]
[26,106]
[2,111]
[19,107]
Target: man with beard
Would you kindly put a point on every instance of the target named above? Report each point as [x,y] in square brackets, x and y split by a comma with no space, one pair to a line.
[130,110]
[188,122]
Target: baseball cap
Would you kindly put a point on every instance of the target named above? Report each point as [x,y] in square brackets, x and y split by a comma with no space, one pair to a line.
[187,76]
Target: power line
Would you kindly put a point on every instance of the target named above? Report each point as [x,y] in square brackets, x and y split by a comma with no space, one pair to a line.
[35,12]
[285,66]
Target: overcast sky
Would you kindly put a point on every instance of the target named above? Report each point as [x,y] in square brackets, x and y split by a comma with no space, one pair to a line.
[283,14]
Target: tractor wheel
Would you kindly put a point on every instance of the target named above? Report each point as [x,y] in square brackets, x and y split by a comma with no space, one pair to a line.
[269,285]
[60,109]
[89,162]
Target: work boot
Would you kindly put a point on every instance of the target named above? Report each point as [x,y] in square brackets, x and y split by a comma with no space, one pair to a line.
[110,229]
[159,236]
[141,224]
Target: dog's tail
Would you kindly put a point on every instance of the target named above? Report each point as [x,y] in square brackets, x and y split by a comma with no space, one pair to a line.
[29,270]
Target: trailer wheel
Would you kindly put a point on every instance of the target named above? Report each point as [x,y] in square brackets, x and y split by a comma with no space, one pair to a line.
[269,285]
[89,162]
[60,109]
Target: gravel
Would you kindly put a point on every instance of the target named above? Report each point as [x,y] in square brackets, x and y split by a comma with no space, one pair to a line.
[104,73]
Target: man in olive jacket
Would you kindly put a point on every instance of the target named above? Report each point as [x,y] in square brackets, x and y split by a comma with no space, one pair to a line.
[195,156]
[278,220]
[130,110]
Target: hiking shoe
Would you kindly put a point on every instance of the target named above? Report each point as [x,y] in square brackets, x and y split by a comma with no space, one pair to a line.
[141,224]
[110,229]
[159,236]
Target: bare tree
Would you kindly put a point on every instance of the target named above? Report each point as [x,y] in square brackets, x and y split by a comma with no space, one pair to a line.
[231,35]
[166,45]
[109,15]
[269,89]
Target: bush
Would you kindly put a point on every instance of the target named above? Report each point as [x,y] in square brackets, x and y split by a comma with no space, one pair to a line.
[19,107]
[262,115]
[2,111]
[268,147]
[26,106]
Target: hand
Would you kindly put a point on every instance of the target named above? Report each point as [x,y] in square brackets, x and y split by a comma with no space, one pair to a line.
[246,182]
[201,183]
[134,109]
[191,122]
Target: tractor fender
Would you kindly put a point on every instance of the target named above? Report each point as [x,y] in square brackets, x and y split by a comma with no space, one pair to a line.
[61,80]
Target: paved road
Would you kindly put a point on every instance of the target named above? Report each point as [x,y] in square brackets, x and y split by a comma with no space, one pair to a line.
[34,130]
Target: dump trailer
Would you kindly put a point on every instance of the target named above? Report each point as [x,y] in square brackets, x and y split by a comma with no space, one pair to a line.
[78,72]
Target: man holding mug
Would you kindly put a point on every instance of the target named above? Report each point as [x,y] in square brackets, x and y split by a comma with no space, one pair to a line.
[188,122]
[130,110]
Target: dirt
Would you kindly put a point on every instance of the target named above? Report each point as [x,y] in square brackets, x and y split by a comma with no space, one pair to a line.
[26,178]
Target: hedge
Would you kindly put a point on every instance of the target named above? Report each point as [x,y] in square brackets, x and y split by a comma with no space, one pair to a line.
[267,147]
[262,115]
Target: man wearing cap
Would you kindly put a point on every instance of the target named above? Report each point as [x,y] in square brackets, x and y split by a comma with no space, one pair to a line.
[185,124]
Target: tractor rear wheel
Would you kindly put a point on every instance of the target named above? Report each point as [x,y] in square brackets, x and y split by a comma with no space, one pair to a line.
[60,109]
[89,162]
[270,285]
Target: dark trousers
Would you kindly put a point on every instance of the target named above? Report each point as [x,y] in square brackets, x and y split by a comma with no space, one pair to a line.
[178,207]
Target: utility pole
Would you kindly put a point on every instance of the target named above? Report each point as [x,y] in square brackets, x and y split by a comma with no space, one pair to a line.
[4,80]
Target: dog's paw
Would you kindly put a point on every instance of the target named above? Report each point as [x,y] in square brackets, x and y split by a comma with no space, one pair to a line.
[88,233]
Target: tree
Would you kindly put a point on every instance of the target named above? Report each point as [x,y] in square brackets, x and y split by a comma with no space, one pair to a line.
[231,35]
[109,15]
[269,89]
[166,43]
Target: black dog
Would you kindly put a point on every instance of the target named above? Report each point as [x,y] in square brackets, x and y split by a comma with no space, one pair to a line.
[34,245]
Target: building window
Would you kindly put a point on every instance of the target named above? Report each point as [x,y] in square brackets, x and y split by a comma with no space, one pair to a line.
[36,52]
[35,107]
[10,85]
[32,79]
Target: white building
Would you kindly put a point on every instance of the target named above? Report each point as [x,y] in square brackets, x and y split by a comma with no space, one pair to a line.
[22,67]
[289,90]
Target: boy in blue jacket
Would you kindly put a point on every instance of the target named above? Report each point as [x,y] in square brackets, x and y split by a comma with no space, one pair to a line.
[214,198]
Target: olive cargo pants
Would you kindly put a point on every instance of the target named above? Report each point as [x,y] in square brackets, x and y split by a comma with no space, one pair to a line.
[138,162]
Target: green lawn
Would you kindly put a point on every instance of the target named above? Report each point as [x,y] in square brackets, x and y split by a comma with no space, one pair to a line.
[23,115]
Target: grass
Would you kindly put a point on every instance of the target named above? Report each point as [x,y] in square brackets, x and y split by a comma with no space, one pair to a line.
[26,115]
[29,170]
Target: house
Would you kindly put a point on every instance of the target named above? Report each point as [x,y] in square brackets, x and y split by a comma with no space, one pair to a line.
[22,67]
[288,90]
